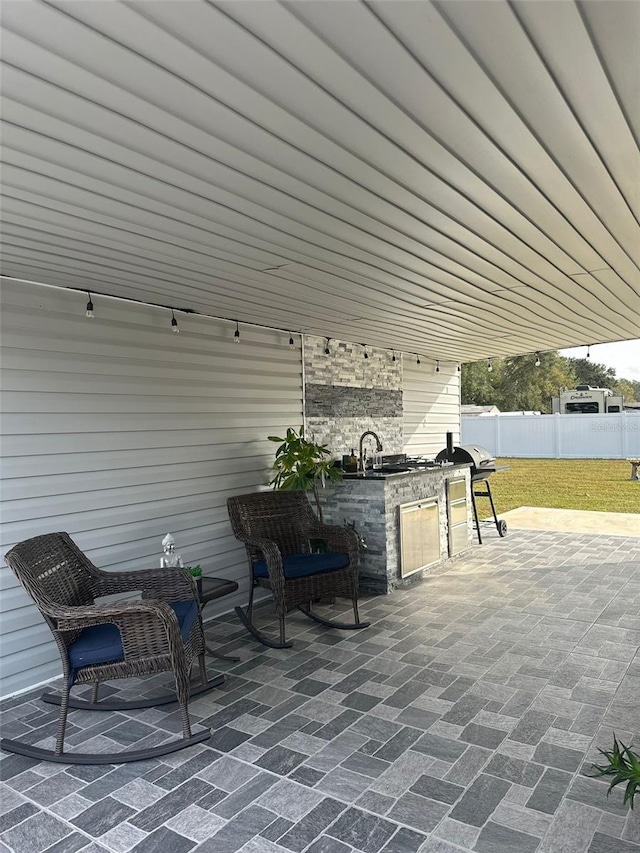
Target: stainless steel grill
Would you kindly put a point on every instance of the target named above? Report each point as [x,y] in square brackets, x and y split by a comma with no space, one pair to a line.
[483,465]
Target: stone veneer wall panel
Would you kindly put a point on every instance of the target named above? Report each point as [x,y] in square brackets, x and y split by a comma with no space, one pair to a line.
[343,401]
[342,434]
[347,394]
[362,502]
[346,365]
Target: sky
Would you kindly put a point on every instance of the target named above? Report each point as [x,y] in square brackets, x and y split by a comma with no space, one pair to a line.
[623,356]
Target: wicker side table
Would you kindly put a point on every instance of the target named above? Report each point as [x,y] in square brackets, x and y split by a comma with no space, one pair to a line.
[210,589]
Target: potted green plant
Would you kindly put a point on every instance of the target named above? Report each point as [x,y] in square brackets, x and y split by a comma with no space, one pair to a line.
[623,766]
[196,574]
[303,465]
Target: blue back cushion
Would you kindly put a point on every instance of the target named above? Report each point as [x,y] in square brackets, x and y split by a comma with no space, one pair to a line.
[102,643]
[301,565]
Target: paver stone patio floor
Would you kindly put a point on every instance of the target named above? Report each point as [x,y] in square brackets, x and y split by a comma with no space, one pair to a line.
[465,719]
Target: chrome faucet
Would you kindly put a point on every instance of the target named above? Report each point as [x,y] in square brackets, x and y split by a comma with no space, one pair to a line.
[378,447]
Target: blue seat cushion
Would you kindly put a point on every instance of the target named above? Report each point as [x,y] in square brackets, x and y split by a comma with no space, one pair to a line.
[302,565]
[103,643]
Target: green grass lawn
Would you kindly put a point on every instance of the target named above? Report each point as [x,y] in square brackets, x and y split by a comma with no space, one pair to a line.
[594,484]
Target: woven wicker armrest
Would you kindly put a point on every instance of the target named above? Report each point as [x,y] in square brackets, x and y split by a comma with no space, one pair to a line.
[142,624]
[268,547]
[270,552]
[169,584]
[340,539]
[82,616]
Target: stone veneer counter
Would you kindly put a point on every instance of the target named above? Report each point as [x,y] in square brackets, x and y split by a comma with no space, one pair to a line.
[373,502]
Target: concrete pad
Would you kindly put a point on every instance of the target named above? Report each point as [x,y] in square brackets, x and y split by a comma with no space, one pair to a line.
[573,521]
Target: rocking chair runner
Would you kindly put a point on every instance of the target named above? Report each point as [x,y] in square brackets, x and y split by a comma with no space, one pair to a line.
[277,528]
[162,632]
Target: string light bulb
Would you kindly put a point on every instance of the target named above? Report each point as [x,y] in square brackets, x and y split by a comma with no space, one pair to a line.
[174,323]
[291,341]
[236,334]
[437,366]
[537,361]
[327,351]
[417,359]
[489,364]
[459,368]
[89,312]
[588,350]
[366,354]
[393,355]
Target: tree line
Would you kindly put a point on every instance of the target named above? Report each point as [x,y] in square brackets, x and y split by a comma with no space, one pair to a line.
[516,384]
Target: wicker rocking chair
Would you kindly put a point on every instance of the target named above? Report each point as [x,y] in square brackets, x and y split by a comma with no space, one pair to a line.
[162,632]
[276,528]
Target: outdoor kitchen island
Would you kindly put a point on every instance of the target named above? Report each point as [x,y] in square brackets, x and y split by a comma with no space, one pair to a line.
[411,521]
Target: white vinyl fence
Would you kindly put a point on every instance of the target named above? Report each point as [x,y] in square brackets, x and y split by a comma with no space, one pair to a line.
[611,436]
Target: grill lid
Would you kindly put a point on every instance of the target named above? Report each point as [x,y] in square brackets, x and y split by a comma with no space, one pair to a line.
[481,460]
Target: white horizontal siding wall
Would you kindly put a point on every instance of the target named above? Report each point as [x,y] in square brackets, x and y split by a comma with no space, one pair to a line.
[431,406]
[117,431]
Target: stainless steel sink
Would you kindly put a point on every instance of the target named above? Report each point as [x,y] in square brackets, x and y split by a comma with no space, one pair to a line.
[391,469]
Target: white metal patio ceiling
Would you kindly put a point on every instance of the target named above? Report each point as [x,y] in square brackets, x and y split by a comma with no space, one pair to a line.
[459,179]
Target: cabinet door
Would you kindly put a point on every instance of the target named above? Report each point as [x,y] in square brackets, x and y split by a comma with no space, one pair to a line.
[410,540]
[419,536]
[457,516]
[458,539]
[457,490]
[458,513]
